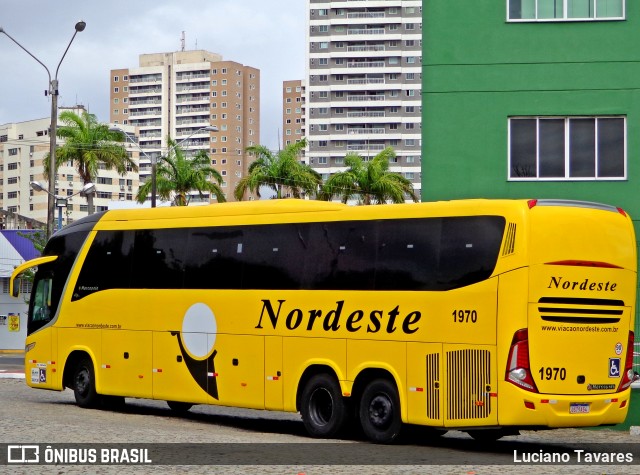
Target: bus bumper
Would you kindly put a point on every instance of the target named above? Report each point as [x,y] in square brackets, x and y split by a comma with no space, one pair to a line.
[523,408]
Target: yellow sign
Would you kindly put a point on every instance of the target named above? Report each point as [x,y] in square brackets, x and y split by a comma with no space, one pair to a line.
[14,322]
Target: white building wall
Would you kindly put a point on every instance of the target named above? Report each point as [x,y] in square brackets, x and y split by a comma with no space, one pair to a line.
[364,75]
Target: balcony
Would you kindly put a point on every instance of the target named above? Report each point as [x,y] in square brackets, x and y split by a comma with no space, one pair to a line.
[366,64]
[359,98]
[366,15]
[356,48]
[365,31]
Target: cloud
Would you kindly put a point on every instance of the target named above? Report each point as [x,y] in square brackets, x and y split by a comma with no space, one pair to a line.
[265,34]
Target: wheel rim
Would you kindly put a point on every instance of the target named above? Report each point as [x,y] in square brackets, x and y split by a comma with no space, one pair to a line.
[321,406]
[381,411]
[82,381]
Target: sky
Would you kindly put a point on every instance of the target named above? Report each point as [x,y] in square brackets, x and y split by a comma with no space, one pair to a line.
[265,34]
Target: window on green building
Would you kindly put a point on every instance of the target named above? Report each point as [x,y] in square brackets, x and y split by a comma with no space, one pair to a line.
[567,148]
[545,10]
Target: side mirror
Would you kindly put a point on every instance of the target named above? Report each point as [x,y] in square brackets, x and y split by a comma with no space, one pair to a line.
[15,286]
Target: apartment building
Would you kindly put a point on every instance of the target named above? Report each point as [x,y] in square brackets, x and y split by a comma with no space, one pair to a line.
[177,95]
[364,83]
[293,111]
[23,147]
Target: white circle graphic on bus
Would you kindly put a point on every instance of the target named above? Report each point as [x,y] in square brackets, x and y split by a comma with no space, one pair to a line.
[199,330]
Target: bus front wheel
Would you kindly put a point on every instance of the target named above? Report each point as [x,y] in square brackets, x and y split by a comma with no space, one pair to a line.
[84,384]
[380,411]
[322,407]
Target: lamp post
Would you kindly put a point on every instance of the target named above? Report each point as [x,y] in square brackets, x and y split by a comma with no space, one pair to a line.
[53,91]
[153,158]
[60,201]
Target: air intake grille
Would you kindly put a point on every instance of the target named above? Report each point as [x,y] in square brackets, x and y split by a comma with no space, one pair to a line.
[510,240]
[433,386]
[468,383]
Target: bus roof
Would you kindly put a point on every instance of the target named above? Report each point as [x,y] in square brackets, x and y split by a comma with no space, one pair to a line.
[339,210]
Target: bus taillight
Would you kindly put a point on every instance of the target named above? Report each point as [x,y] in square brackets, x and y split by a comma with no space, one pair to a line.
[518,370]
[628,376]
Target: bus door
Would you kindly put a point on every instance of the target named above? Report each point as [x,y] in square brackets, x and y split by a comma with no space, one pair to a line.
[40,360]
[273,391]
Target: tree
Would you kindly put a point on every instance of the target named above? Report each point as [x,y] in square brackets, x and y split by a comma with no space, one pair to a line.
[89,144]
[177,175]
[369,182]
[281,172]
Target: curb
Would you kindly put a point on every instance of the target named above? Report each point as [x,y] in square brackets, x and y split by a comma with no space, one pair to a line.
[11,352]
[11,375]
[634,430]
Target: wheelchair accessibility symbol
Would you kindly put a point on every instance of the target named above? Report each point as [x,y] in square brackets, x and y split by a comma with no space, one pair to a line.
[614,367]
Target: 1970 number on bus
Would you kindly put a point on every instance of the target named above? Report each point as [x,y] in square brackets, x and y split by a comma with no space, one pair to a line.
[465,316]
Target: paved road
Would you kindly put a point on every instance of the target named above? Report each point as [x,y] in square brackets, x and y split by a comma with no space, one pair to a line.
[34,416]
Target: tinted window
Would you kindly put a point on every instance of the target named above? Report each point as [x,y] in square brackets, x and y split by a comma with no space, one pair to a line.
[341,255]
[107,265]
[469,250]
[213,260]
[65,245]
[408,254]
[158,258]
[274,256]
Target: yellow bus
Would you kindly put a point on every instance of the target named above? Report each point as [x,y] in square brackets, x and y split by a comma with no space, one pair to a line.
[486,316]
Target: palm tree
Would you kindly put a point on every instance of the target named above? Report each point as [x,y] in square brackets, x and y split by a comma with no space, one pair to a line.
[177,175]
[89,144]
[370,182]
[281,172]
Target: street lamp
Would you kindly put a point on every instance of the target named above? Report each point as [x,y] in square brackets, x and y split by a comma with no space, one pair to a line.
[153,158]
[60,201]
[53,91]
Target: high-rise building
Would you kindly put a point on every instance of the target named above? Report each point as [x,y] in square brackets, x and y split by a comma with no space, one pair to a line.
[177,95]
[293,111]
[364,83]
[23,148]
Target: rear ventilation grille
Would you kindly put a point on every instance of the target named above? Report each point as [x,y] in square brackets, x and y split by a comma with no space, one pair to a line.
[469,384]
[580,310]
[433,386]
[510,240]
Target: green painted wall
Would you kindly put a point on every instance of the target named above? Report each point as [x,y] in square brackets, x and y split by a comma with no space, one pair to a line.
[478,70]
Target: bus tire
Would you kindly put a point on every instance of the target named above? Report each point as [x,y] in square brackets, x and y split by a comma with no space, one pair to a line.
[179,407]
[84,384]
[380,411]
[323,408]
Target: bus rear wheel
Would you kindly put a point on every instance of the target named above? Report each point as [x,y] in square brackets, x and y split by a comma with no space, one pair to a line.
[323,408]
[84,384]
[380,411]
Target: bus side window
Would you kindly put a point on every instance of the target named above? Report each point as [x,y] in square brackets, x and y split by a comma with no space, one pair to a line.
[341,255]
[158,258]
[469,249]
[213,260]
[107,265]
[408,253]
[273,257]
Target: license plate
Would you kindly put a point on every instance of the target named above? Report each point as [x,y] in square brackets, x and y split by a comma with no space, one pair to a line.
[578,408]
